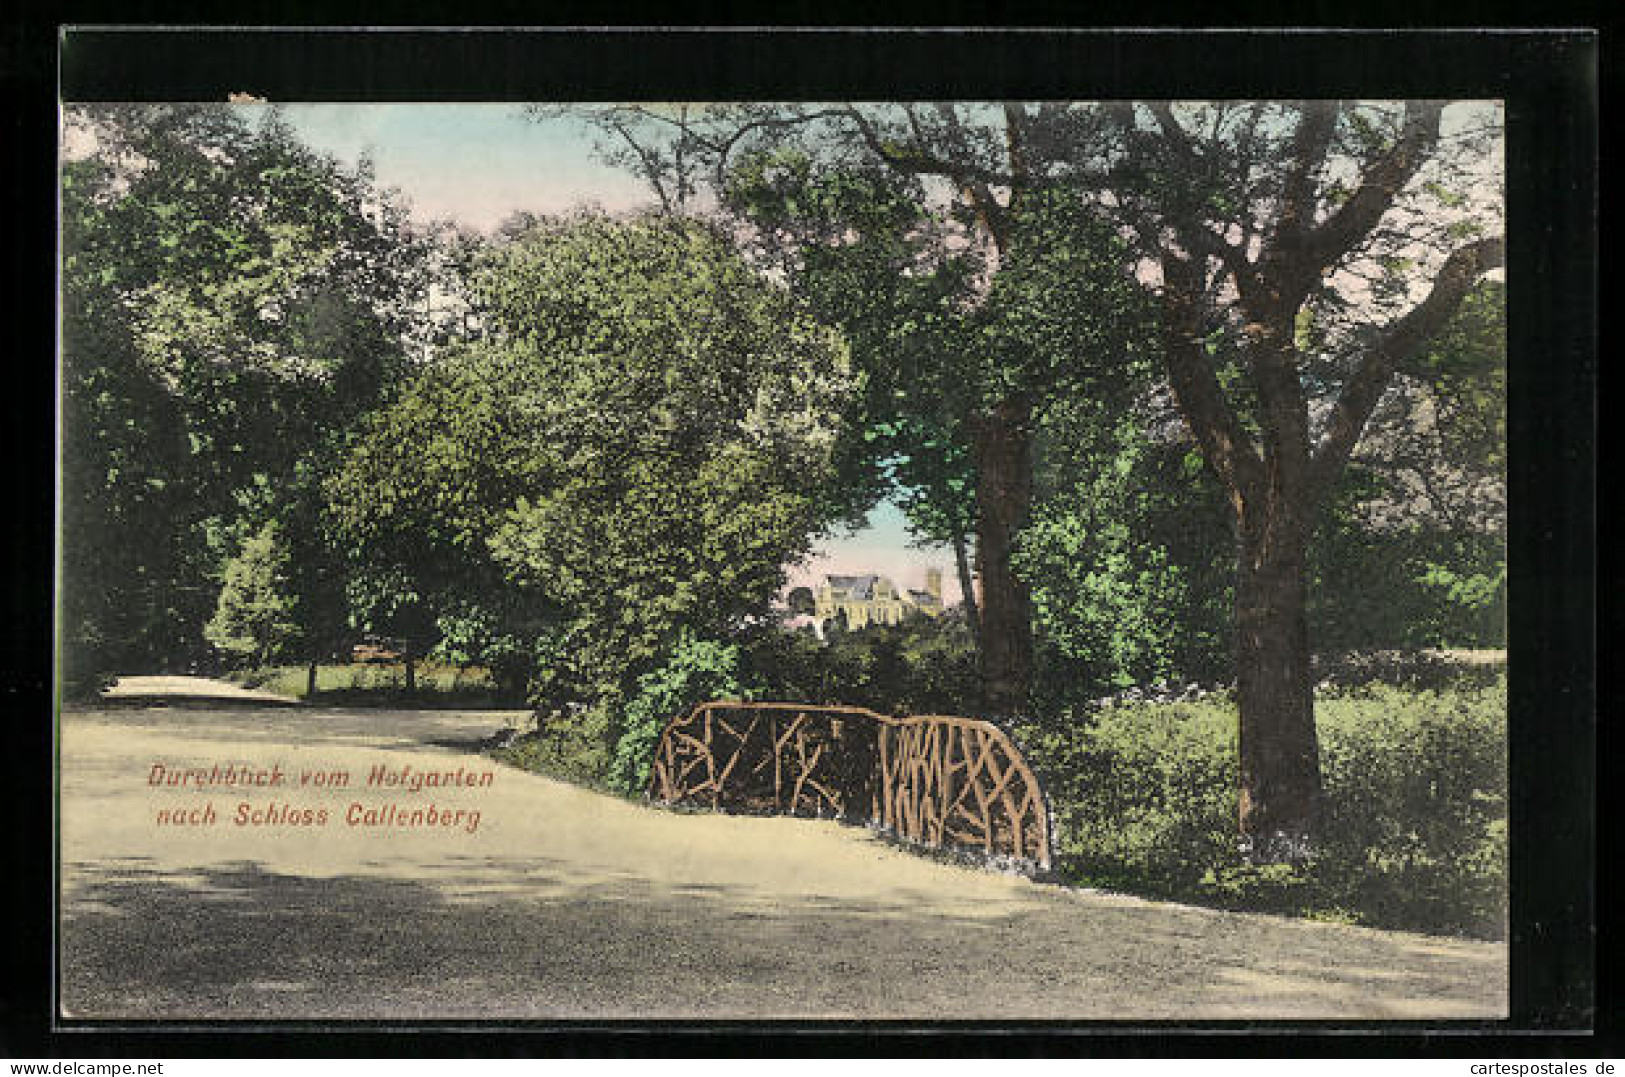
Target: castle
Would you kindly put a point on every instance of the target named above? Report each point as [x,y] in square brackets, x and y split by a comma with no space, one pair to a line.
[867,600]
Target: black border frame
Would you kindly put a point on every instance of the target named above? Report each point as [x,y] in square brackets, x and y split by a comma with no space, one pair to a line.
[1550,81]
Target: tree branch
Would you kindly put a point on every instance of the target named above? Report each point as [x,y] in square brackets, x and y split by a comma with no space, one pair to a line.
[725,148]
[1310,142]
[1322,246]
[970,181]
[915,159]
[1397,345]
[1015,144]
[1194,235]
[648,161]
[1225,445]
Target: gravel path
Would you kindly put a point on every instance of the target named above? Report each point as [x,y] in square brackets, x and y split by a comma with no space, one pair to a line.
[189,690]
[558,903]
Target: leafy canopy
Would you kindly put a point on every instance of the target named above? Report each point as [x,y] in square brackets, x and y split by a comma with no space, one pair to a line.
[640,443]
[230,299]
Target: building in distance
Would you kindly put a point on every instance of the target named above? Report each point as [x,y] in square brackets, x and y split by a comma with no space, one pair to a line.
[861,601]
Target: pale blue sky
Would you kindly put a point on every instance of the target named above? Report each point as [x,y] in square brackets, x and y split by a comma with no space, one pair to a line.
[472,163]
[477,164]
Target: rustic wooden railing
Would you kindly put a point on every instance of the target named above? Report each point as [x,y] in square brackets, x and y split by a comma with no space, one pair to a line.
[952,783]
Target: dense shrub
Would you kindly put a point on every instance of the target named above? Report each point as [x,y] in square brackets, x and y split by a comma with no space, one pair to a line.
[1415,830]
[1419,670]
[1417,793]
[575,750]
[923,666]
[697,670]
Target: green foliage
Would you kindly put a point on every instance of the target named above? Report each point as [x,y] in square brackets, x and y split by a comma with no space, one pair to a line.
[1408,586]
[697,670]
[1417,798]
[573,751]
[922,666]
[1128,554]
[1412,552]
[255,616]
[470,633]
[690,410]
[637,447]
[1415,829]
[229,299]
[1065,316]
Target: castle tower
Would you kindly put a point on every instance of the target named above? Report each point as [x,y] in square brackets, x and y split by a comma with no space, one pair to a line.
[933,583]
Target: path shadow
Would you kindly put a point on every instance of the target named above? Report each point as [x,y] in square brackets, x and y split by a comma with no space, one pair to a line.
[469,938]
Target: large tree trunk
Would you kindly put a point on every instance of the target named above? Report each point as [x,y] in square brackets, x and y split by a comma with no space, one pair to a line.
[1279,751]
[1002,444]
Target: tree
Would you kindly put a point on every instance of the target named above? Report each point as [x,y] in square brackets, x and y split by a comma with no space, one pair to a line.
[1300,255]
[636,449]
[969,313]
[255,615]
[1307,253]
[230,300]
[422,485]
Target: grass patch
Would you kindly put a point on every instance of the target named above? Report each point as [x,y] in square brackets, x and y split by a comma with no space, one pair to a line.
[356,684]
[1414,838]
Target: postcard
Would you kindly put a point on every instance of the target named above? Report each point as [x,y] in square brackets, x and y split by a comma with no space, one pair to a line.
[783,560]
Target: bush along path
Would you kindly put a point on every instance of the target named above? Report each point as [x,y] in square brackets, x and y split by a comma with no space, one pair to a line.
[1415,831]
[1141,788]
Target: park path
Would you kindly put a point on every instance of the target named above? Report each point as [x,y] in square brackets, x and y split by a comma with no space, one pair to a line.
[564,904]
[165,688]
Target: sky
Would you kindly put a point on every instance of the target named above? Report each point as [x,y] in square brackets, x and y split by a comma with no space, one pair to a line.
[475,164]
[478,164]
[883,548]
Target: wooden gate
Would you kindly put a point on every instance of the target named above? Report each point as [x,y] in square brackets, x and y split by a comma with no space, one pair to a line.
[947,782]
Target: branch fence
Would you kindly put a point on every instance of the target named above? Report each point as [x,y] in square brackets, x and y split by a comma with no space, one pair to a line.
[952,783]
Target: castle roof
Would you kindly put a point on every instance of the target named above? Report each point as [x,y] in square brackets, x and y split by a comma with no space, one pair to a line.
[857,586]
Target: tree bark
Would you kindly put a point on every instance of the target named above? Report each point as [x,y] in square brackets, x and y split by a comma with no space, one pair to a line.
[310,679]
[1279,750]
[967,587]
[1002,446]
[1279,807]
[1270,488]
